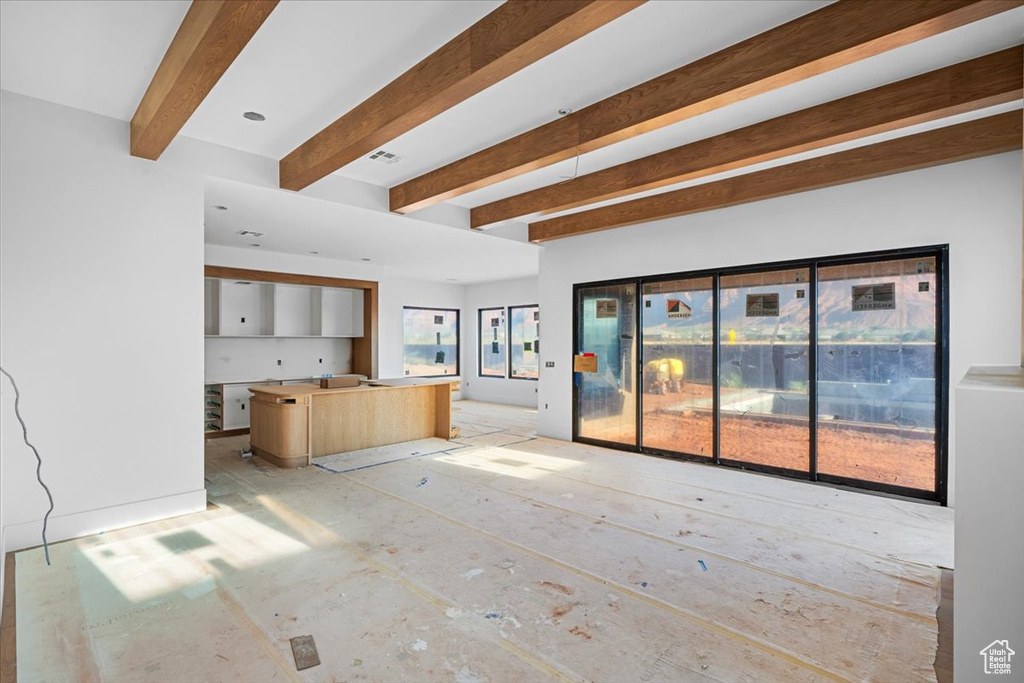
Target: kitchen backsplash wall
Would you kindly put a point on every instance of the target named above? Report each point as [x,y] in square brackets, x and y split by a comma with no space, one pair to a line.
[236,359]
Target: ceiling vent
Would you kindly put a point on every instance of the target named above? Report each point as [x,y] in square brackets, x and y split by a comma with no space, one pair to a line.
[385,157]
[249,233]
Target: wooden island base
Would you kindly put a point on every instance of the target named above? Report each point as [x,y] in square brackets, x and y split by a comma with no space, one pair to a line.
[292,424]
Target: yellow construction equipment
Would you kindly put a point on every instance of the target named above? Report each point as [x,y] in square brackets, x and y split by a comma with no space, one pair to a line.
[664,375]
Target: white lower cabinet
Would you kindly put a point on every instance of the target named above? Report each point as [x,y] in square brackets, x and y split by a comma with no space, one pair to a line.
[236,406]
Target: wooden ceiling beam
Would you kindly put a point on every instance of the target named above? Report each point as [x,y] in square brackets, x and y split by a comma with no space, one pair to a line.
[831,37]
[988,135]
[210,37]
[968,86]
[513,36]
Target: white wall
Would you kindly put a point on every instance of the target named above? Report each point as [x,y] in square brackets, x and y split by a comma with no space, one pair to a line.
[236,359]
[101,271]
[974,206]
[499,294]
[393,292]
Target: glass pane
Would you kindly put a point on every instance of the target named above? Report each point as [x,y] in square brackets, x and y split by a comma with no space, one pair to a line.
[765,325]
[524,322]
[876,372]
[678,404]
[606,399]
[492,342]
[431,342]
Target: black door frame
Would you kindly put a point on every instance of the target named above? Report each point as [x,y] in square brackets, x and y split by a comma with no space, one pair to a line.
[941,255]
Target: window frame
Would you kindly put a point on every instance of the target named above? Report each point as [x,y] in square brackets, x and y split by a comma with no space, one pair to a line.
[458,339]
[479,342]
[941,254]
[508,346]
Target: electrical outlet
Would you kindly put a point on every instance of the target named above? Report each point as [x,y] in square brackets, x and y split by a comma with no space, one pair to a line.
[243,320]
[545,406]
[549,364]
[321,360]
[278,361]
[243,406]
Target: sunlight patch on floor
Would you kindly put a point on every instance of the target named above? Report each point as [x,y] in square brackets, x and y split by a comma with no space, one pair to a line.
[147,567]
[510,462]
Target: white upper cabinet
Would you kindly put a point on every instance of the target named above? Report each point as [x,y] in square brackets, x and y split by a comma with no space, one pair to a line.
[297,311]
[211,299]
[342,312]
[246,309]
[263,309]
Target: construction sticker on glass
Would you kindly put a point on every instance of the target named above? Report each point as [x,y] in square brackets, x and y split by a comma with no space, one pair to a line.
[876,297]
[607,308]
[678,309]
[765,305]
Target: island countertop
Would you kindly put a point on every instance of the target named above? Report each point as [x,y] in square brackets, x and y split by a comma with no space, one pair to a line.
[295,390]
[294,423]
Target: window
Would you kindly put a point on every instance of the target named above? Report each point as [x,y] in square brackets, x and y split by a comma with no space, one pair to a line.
[492,342]
[524,354]
[430,342]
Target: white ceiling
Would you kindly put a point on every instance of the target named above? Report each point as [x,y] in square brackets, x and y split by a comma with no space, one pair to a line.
[98,55]
[314,60]
[294,224]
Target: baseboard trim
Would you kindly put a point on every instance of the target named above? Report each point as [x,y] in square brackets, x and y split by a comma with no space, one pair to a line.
[530,402]
[78,524]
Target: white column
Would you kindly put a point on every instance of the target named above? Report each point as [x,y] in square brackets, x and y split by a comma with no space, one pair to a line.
[989,555]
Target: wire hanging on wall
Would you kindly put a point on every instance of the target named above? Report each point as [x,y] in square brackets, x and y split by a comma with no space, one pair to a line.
[39,460]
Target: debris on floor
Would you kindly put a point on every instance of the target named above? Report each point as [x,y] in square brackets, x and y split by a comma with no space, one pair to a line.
[423,482]
[304,651]
[702,565]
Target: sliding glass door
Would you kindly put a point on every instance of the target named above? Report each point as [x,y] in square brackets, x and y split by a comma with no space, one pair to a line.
[677,368]
[606,399]
[764,337]
[877,372]
[829,369]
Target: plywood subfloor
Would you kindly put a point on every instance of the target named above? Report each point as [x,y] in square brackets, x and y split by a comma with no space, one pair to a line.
[497,557]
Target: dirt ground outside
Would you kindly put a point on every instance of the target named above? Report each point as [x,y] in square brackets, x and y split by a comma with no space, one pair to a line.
[682,422]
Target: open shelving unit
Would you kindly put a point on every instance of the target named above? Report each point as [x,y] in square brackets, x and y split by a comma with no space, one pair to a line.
[213,408]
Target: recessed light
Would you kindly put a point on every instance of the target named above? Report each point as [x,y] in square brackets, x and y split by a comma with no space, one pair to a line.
[254,245]
[314,252]
[254,116]
[249,233]
[565,111]
[219,208]
[365,259]
[452,279]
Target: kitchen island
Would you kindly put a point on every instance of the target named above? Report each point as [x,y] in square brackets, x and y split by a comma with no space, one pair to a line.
[292,424]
